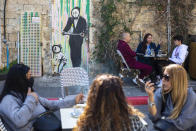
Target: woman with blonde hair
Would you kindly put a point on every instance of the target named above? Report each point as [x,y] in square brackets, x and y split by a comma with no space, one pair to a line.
[172,107]
[106,108]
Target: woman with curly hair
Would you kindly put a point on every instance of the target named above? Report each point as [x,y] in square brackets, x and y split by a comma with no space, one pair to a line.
[106,108]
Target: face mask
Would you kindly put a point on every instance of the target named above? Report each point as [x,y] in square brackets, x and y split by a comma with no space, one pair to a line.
[75,13]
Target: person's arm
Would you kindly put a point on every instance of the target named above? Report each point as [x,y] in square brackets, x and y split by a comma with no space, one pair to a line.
[187,117]
[129,51]
[84,25]
[139,48]
[17,114]
[68,101]
[68,25]
[181,57]
[154,101]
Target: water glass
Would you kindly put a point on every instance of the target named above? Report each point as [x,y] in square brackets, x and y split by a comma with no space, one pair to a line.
[85,93]
[152,52]
[159,52]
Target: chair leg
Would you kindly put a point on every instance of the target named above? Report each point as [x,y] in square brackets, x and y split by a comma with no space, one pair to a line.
[66,91]
[63,92]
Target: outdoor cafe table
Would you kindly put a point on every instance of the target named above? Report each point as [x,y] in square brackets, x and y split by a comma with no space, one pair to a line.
[158,57]
[67,121]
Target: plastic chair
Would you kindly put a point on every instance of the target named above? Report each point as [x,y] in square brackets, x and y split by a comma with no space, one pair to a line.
[73,77]
[126,71]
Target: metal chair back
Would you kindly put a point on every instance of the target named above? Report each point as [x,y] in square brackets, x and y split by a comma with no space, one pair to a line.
[123,60]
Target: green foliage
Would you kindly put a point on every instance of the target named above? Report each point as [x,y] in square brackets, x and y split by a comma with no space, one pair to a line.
[5,70]
[105,50]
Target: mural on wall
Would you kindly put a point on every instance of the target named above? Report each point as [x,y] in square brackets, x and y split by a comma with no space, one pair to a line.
[70,20]
[60,58]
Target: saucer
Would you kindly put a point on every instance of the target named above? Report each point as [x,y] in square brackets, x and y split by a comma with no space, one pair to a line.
[73,114]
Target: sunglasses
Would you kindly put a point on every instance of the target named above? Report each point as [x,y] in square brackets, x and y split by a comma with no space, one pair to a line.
[166,77]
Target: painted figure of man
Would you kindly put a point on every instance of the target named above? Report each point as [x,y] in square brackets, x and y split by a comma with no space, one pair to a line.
[60,59]
[78,26]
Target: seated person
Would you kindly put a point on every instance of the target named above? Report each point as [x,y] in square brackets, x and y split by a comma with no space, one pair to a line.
[19,104]
[178,55]
[180,52]
[145,48]
[130,55]
[107,109]
[172,107]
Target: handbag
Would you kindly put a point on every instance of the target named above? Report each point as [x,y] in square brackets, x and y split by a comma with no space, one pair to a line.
[47,121]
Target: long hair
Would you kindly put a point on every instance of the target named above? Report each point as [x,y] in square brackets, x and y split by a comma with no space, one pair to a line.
[179,84]
[16,82]
[144,46]
[106,108]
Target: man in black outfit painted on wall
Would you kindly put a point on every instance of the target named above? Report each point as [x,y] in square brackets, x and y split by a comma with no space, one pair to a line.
[78,23]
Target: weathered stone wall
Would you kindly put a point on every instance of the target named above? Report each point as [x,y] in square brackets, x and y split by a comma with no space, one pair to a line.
[13,12]
[192,25]
[139,19]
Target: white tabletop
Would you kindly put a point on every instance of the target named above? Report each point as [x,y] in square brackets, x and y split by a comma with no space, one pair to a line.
[67,121]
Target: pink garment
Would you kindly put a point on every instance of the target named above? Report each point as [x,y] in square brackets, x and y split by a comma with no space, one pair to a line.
[129,56]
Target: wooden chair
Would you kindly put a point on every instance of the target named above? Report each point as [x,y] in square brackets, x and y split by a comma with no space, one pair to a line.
[73,77]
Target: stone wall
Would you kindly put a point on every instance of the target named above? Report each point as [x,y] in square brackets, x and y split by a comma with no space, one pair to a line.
[139,19]
[192,26]
[13,12]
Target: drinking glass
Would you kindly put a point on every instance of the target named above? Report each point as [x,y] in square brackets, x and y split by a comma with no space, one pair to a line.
[159,52]
[85,93]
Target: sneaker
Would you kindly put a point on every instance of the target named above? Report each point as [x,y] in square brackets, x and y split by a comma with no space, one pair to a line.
[140,82]
[134,81]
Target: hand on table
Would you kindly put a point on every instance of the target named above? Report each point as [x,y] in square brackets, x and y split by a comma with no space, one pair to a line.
[79,98]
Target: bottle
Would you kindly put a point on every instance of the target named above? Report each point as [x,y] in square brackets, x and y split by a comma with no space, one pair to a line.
[146,53]
[152,52]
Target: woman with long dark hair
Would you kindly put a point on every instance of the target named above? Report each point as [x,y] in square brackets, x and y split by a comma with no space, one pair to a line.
[19,104]
[146,46]
[172,107]
[107,109]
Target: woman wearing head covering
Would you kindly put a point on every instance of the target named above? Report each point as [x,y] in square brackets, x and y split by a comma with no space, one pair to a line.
[172,107]
[106,108]
[19,104]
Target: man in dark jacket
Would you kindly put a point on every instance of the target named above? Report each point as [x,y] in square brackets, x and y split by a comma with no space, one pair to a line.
[78,23]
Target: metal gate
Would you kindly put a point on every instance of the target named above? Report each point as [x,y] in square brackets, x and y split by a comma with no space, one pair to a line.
[30,37]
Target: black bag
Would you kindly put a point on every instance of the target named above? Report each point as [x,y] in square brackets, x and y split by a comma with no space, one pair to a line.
[47,121]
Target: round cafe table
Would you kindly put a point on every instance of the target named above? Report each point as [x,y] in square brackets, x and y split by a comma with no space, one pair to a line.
[161,57]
